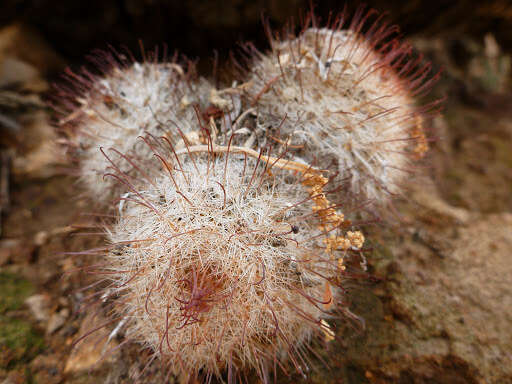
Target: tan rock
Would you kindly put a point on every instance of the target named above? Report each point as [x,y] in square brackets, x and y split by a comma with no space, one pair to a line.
[93,350]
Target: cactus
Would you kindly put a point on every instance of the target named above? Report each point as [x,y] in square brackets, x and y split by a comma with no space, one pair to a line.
[221,265]
[108,113]
[346,97]
[222,256]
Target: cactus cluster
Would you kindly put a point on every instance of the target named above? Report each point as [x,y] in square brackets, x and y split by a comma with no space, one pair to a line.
[229,249]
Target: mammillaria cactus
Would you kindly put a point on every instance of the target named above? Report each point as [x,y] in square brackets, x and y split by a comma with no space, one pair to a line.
[346,96]
[219,264]
[129,100]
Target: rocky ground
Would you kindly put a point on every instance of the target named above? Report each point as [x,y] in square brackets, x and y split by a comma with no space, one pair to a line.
[441,311]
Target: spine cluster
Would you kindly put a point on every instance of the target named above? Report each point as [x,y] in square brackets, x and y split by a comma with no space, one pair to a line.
[229,249]
[346,97]
[219,266]
[122,103]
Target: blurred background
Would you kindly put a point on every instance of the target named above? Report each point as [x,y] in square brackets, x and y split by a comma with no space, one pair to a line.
[442,309]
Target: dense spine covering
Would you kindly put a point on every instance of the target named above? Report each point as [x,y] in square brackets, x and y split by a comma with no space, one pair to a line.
[109,113]
[221,264]
[346,96]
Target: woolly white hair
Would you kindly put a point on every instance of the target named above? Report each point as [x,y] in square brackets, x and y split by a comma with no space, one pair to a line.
[218,264]
[347,97]
[130,101]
